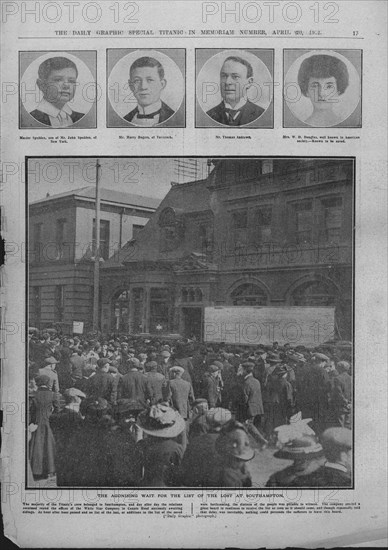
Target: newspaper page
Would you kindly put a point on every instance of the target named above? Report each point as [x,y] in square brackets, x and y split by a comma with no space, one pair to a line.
[193,295]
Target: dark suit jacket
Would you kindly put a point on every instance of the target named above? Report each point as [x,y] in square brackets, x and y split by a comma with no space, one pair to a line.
[211,390]
[324,477]
[181,393]
[165,113]
[101,385]
[135,386]
[45,119]
[248,113]
[253,399]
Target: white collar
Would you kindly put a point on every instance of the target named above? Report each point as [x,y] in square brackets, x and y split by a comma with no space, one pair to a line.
[50,110]
[240,104]
[73,407]
[336,466]
[148,109]
[248,375]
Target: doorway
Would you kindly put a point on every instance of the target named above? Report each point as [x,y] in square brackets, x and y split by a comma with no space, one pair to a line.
[192,322]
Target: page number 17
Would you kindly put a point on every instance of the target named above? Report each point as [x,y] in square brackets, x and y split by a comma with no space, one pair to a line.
[355,33]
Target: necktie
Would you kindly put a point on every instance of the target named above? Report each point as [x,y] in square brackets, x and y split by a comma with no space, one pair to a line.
[63,120]
[232,115]
[151,115]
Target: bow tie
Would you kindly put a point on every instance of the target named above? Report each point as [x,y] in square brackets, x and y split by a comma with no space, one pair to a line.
[151,115]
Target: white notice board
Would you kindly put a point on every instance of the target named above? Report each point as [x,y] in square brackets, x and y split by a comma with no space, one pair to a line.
[308,326]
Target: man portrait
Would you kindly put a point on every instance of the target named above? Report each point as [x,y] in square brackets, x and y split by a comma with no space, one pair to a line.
[241,83]
[58,91]
[147,82]
[146,88]
[322,88]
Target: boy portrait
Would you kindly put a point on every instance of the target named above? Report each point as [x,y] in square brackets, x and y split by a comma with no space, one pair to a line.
[57,91]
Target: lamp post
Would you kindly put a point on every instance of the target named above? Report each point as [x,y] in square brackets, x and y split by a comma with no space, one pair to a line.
[96,283]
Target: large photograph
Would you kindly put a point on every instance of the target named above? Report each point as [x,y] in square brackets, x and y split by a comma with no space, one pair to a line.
[190,322]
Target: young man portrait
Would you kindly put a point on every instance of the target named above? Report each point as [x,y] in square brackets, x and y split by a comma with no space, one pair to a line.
[147,82]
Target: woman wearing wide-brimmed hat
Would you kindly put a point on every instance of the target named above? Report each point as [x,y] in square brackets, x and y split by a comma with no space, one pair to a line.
[296,442]
[159,454]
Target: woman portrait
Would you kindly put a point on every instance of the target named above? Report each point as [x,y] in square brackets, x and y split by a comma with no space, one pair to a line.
[322,90]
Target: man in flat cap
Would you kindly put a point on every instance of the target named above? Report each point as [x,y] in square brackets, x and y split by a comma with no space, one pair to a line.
[135,386]
[102,384]
[235,109]
[337,470]
[212,385]
[252,410]
[313,390]
[156,380]
[181,395]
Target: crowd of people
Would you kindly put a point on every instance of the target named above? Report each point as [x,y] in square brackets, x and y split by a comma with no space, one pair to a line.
[135,411]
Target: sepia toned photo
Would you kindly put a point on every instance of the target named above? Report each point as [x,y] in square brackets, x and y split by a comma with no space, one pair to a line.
[146,88]
[322,88]
[58,89]
[234,88]
[200,336]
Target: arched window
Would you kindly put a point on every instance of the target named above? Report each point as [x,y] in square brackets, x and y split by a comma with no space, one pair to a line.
[314,293]
[249,294]
[191,294]
[120,305]
[185,295]
[198,295]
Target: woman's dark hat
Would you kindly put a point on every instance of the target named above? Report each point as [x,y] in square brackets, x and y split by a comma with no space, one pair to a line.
[161,421]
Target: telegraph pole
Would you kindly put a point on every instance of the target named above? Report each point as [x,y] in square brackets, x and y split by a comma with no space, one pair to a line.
[97,253]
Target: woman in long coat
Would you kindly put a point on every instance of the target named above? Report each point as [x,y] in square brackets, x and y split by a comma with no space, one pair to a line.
[42,445]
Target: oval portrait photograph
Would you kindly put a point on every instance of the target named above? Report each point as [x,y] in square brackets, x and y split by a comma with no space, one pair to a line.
[58,89]
[234,88]
[322,88]
[146,88]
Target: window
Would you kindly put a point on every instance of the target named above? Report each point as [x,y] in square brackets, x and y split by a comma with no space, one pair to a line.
[60,232]
[104,238]
[249,294]
[159,310]
[121,312]
[138,306]
[267,167]
[191,295]
[60,237]
[264,222]
[136,230]
[37,244]
[240,225]
[36,305]
[315,293]
[59,303]
[205,238]
[304,222]
[171,230]
[332,219]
